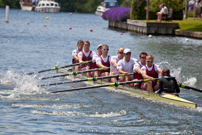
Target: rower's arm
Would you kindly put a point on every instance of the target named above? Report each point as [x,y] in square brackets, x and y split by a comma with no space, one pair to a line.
[122,72]
[159,70]
[75,57]
[138,70]
[114,63]
[100,65]
[80,60]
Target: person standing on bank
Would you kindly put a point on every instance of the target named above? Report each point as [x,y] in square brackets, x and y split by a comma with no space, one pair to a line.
[163,12]
[167,83]
[150,71]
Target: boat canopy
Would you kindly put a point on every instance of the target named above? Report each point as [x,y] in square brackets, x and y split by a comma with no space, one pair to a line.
[110,3]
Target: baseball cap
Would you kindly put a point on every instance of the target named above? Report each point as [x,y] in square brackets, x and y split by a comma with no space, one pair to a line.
[99,46]
[126,50]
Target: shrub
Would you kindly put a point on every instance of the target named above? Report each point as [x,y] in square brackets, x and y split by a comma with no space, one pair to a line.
[120,14]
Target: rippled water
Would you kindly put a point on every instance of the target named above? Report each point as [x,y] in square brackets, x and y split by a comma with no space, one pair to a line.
[29,109]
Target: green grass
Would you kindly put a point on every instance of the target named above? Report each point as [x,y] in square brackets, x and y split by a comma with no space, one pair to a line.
[188,24]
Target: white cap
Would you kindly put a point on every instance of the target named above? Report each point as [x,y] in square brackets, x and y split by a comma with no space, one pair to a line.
[126,50]
[99,46]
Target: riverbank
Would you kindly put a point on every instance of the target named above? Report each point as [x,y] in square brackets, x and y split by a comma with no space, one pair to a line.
[187,28]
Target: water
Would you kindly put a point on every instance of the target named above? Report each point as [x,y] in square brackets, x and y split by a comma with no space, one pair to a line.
[29,109]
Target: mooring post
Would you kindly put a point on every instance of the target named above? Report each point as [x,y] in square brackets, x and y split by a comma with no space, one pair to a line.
[7,14]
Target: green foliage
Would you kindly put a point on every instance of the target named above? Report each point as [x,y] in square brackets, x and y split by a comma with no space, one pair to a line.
[176,5]
[138,11]
[11,3]
[125,3]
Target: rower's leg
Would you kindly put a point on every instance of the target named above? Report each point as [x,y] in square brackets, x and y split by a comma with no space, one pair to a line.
[96,73]
[113,79]
[156,87]
[148,86]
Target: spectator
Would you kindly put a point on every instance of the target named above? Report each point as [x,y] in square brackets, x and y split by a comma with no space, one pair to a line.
[163,12]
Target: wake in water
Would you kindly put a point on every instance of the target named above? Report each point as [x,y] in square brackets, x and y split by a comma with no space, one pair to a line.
[176,72]
[22,84]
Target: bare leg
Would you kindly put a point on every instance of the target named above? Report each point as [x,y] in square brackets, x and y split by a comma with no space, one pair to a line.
[148,86]
[113,79]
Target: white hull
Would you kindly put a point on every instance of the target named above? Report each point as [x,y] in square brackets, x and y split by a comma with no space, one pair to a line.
[26,8]
[47,9]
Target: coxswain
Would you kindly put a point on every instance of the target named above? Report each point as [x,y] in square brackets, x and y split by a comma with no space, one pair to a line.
[150,71]
[168,84]
[103,62]
[75,52]
[86,55]
[125,66]
[137,69]
[114,63]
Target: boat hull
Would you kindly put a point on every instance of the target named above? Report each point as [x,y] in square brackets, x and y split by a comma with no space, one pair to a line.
[166,98]
[26,7]
[47,9]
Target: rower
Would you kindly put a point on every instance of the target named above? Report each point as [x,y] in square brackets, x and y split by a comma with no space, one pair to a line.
[168,84]
[114,63]
[75,52]
[103,62]
[150,71]
[137,69]
[125,66]
[98,54]
[86,55]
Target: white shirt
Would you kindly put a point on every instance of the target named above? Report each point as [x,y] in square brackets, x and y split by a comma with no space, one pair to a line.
[137,65]
[164,10]
[80,54]
[75,51]
[104,59]
[112,68]
[127,66]
[156,67]
[95,57]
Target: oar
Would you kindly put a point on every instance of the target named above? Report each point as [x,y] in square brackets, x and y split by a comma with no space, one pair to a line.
[188,87]
[73,73]
[57,67]
[116,84]
[87,79]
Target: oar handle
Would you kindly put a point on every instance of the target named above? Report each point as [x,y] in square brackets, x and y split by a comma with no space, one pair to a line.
[188,87]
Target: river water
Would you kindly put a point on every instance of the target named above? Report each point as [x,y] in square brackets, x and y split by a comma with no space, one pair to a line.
[26,108]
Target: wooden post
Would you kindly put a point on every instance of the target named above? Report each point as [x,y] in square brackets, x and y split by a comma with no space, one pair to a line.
[147,12]
[7,14]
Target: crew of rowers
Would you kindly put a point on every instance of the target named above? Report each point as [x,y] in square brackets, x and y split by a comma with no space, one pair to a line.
[122,63]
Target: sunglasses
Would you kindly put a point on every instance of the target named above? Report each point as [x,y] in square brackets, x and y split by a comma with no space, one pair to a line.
[143,57]
[121,52]
[150,61]
[105,49]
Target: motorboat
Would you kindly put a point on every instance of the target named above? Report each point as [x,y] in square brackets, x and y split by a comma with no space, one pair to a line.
[106,5]
[47,6]
[28,5]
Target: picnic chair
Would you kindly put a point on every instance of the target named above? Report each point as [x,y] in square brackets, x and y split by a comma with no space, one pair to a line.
[169,16]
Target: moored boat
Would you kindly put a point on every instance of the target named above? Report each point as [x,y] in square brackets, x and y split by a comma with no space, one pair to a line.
[28,5]
[166,98]
[106,5]
[47,6]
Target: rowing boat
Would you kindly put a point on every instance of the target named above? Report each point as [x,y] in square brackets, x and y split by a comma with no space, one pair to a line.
[165,98]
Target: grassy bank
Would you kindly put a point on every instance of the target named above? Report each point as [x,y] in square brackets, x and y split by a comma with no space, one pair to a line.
[188,24]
